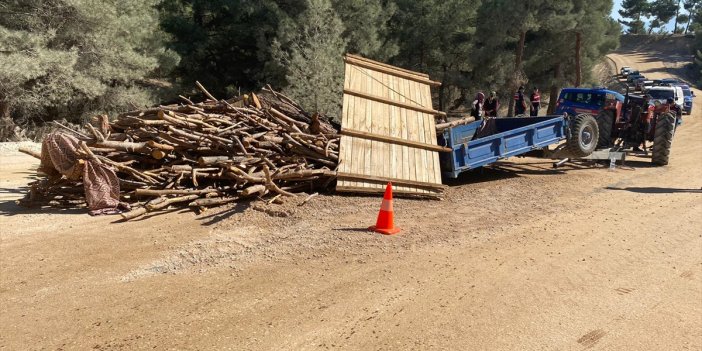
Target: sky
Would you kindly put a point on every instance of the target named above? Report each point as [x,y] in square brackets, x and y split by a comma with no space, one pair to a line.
[618,6]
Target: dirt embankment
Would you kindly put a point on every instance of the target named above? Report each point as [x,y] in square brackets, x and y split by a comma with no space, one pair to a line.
[520,256]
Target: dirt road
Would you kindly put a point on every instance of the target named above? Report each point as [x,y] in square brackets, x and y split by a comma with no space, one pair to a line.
[519,257]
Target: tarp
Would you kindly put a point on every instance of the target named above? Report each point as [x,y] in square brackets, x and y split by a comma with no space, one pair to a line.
[59,156]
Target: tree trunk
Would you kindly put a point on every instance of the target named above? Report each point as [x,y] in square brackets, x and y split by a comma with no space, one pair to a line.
[442,102]
[553,96]
[4,109]
[578,68]
[677,13]
[687,26]
[517,69]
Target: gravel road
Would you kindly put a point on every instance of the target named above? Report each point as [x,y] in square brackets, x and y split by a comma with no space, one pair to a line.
[517,257]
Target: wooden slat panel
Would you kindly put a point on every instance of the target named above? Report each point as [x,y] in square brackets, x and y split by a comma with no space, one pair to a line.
[423,75]
[371,162]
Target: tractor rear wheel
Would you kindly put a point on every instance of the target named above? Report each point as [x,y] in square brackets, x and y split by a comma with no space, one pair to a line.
[605,123]
[663,139]
[584,135]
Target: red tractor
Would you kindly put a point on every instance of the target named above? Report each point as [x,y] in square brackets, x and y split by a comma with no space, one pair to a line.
[643,121]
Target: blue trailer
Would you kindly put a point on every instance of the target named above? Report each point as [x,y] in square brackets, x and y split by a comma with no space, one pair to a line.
[483,142]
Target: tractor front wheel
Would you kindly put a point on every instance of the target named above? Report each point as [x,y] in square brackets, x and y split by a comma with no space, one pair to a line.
[663,139]
[584,135]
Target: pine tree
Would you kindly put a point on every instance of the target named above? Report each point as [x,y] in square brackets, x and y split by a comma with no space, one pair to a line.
[366,27]
[225,44]
[676,29]
[310,47]
[662,12]
[61,58]
[694,13]
[634,10]
[436,37]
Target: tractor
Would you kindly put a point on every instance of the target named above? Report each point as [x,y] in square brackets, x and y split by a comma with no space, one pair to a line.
[640,120]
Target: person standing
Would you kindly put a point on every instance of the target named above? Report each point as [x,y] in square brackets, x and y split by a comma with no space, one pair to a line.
[535,99]
[477,106]
[491,105]
[520,102]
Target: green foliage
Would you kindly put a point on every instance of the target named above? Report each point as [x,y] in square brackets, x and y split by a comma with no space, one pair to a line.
[64,59]
[223,43]
[694,9]
[310,47]
[662,12]
[366,27]
[437,37]
[634,10]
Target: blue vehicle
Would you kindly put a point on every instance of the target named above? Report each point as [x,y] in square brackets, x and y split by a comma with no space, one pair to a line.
[574,101]
[483,142]
[688,94]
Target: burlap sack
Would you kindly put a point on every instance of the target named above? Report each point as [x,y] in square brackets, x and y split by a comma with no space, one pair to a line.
[59,156]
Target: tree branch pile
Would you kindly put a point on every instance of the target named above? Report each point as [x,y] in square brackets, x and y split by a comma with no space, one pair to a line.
[204,154]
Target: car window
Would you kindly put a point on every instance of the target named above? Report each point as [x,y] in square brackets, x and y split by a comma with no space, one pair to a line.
[661,94]
[584,98]
[687,92]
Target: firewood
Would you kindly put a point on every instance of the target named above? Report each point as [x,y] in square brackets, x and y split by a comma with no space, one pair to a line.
[205,154]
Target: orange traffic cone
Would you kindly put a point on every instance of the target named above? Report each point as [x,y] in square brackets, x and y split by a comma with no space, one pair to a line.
[386,222]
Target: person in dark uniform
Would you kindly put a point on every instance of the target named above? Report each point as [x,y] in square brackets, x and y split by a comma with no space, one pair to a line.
[477,106]
[491,105]
[535,99]
[520,102]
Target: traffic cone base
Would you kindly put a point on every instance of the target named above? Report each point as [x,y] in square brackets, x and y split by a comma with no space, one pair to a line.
[385,231]
[386,223]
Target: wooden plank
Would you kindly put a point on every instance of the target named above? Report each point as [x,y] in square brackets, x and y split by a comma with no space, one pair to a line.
[346,164]
[389,179]
[373,151]
[436,167]
[361,58]
[393,140]
[407,169]
[427,157]
[416,157]
[350,189]
[388,101]
[392,71]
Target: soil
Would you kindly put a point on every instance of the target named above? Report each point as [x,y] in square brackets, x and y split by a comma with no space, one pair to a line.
[519,256]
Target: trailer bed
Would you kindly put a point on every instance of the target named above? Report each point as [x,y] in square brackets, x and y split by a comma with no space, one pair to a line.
[483,142]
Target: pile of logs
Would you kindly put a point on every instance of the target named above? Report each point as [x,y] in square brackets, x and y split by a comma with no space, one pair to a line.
[206,154]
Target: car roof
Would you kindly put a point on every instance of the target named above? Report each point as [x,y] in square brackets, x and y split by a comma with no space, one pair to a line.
[593,90]
[663,88]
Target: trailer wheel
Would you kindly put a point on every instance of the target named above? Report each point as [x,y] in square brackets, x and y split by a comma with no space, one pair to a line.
[605,123]
[584,135]
[663,139]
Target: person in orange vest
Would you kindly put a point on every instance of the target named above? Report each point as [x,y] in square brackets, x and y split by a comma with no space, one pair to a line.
[535,99]
[520,102]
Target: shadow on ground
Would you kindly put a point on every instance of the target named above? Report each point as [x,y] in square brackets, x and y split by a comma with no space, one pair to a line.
[507,170]
[656,190]
[11,208]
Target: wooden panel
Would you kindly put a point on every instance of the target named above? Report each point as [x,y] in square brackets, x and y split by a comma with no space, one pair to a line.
[390,131]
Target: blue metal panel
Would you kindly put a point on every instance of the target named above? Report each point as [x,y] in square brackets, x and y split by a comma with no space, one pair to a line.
[512,137]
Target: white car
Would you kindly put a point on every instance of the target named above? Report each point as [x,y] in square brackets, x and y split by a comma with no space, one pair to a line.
[647,84]
[663,93]
[624,71]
